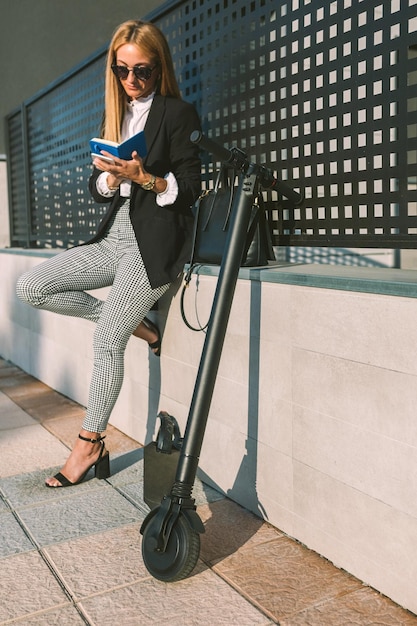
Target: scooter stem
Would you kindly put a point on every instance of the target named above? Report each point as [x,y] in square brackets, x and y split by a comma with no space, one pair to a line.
[213,345]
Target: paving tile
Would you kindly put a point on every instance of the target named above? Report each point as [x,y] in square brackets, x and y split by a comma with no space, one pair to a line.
[20,385]
[228,527]
[117,442]
[7,365]
[13,540]
[27,585]
[27,489]
[202,600]
[130,482]
[364,607]
[67,426]
[134,493]
[204,494]
[10,376]
[99,562]
[284,577]
[27,449]
[3,506]
[126,468]
[127,476]
[11,415]
[65,616]
[84,514]
[42,402]
[37,399]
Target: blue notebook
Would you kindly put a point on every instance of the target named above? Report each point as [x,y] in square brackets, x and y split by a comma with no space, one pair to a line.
[121,150]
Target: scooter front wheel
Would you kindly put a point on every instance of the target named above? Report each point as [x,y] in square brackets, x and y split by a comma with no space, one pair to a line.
[181,554]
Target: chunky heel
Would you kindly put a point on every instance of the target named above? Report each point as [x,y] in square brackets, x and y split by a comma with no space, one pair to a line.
[102,467]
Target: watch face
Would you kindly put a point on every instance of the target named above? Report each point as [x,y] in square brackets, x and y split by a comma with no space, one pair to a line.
[149,185]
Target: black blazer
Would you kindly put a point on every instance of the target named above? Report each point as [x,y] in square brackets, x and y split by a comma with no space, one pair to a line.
[163,233]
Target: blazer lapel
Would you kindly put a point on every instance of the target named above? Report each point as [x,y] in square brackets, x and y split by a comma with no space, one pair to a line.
[154,121]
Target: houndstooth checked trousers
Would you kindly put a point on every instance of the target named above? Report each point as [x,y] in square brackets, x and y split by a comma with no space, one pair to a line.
[59,285]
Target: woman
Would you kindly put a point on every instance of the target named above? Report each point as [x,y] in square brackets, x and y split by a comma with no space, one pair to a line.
[143,240]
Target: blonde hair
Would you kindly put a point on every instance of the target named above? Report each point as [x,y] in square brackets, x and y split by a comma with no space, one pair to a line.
[151,40]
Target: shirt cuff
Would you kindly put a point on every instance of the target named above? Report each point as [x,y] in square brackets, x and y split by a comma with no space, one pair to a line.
[102,186]
[171,192]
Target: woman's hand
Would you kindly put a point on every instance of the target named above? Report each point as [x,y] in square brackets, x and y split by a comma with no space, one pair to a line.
[120,170]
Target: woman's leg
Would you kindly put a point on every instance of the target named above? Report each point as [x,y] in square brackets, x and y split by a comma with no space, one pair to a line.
[60,283]
[130,298]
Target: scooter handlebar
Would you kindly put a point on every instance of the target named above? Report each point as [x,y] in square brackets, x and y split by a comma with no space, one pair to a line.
[231,156]
[220,152]
[287,191]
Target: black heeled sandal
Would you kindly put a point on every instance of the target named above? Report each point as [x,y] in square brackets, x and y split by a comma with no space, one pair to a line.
[101,466]
[156,345]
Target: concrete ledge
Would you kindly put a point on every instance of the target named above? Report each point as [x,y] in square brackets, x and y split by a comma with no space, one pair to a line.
[34,252]
[386,281]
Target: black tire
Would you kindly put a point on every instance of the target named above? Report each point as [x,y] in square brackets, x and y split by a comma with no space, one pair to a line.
[180,556]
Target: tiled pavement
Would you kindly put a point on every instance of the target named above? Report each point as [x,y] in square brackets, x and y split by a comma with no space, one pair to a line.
[72,556]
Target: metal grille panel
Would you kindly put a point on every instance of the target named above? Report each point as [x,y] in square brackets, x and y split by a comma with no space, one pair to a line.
[323,93]
[57,127]
[16,171]
[62,211]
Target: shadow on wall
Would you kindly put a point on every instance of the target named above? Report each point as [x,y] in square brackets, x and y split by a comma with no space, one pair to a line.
[222,536]
[244,488]
[154,389]
[338,256]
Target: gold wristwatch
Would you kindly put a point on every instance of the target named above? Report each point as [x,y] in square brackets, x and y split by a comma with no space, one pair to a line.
[149,185]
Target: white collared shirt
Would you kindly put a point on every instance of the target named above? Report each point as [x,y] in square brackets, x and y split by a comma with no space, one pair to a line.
[134,121]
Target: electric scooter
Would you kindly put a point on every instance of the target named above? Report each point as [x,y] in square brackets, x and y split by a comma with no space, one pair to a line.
[171,531]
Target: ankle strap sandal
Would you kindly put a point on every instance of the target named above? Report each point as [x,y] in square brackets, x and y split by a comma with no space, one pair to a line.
[101,466]
[100,438]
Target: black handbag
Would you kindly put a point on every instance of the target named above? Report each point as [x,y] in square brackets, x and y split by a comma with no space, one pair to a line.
[212,212]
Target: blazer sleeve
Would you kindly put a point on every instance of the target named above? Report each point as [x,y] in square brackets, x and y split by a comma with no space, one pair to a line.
[183,154]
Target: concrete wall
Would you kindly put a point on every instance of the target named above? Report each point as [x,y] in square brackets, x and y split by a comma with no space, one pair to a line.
[312,424]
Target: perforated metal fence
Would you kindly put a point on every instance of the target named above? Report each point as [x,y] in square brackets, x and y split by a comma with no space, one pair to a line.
[323,93]
[50,162]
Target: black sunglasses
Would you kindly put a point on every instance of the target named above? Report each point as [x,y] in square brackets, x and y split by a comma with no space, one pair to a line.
[141,72]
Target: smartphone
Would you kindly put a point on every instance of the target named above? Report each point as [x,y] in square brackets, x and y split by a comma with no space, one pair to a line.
[101,156]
